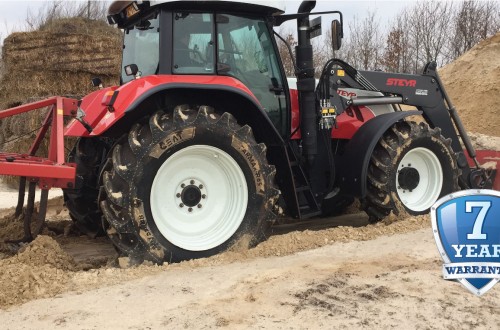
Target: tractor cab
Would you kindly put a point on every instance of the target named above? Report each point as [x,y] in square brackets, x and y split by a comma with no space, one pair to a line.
[169,38]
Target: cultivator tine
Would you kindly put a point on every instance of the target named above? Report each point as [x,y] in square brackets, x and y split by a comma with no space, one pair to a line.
[20,198]
[42,212]
[27,216]
[29,211]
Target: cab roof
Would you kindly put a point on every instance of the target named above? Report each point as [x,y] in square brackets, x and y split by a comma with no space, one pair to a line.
[269,7]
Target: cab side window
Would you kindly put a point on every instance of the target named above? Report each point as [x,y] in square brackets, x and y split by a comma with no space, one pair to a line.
[193,43]
[141,46]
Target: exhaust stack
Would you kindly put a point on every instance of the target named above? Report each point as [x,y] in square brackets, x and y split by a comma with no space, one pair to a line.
[306,84]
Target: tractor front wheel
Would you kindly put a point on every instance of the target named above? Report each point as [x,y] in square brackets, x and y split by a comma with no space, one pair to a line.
[411,167]
[187,185]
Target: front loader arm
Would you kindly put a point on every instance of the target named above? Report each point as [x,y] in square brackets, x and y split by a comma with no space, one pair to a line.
[421,91]
[426,92]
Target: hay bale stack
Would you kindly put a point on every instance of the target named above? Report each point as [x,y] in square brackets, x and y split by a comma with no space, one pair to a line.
[59,59]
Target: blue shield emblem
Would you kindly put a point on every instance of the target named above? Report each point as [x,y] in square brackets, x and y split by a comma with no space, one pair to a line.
[466,226]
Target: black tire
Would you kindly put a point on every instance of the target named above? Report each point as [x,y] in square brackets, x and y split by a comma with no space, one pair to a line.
[392,187]
[130,185]
[89,154]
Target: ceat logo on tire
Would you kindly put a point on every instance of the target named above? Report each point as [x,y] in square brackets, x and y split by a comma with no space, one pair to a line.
[466,228]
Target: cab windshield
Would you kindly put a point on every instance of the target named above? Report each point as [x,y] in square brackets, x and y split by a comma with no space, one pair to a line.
[141,46]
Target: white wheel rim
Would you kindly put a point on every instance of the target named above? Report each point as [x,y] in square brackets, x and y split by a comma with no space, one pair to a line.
[426,193]
[222,209]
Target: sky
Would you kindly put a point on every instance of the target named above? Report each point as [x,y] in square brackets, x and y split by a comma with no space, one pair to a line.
[13,13]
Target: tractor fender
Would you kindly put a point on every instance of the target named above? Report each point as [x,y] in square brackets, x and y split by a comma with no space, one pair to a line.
[353,164]
[138,99]
[241,103]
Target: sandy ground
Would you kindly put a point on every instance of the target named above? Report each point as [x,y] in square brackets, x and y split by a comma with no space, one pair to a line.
[360,276]
[389,282]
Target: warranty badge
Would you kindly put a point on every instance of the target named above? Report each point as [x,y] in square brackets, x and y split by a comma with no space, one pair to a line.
[466,226]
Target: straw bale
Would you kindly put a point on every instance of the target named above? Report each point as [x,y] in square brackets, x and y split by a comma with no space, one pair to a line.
[59,59]
[19,87]
[47,51]
[80,25]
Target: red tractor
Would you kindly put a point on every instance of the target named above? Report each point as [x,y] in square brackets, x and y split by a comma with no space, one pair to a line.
[206,142]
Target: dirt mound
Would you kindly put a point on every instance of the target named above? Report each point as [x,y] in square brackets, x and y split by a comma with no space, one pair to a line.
[472,81]
[12,227]
[40,269]
[44,250]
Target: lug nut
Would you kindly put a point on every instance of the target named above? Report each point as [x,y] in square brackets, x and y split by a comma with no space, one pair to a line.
[178,195]
[190,209]
[181,205]
[203,196]
[183,185]
[192,182]
[200,186]
[199,206]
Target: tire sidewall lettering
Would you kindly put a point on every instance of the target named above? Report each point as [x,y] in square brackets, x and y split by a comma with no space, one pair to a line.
[253,164]
[171,140]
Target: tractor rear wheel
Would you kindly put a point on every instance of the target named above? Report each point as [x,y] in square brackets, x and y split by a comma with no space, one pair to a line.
[186,186]
[411,167]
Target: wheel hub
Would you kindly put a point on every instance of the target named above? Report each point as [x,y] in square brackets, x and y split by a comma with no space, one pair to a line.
[408,178]
[190,196]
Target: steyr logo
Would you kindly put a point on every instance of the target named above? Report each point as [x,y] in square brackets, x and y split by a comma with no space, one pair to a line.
[346,94]
[401,82]
[466,226]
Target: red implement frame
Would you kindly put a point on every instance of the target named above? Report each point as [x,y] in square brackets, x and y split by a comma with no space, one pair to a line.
[490,159]
[47,172]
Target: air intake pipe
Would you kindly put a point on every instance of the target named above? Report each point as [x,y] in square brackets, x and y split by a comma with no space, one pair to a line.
[306,84]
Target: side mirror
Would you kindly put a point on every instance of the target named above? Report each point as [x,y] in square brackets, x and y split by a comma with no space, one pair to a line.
[131,70]
[336,34]
[96,82]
